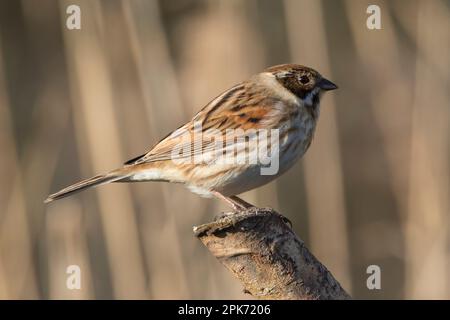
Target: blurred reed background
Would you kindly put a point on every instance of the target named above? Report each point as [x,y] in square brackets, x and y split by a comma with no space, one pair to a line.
[373,188]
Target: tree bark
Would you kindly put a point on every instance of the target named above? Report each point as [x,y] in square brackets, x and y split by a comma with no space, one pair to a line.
[262,251]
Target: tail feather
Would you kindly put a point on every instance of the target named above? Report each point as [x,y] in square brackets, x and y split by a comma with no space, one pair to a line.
[79,186]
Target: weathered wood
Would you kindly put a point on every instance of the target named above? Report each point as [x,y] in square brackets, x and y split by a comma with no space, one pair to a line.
[263,252]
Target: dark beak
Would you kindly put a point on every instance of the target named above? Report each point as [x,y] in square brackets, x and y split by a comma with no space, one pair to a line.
[326,85]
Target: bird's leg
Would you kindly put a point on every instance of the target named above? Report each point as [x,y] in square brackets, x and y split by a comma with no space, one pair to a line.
[242,202]
[247,205]
[231,201]
[240,205]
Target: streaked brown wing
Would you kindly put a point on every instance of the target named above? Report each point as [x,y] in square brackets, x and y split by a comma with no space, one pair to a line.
[244,106]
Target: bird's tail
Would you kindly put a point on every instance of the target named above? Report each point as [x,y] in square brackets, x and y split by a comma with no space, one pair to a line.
[91,182]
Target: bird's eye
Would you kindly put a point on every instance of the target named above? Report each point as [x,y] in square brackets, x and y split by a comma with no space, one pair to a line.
[304,79]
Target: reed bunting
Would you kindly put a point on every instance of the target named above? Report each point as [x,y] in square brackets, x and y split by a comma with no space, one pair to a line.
[282,100]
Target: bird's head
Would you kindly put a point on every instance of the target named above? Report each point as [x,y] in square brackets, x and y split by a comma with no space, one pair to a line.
[306,83]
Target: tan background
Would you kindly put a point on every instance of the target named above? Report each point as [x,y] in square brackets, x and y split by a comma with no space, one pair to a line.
[373,189]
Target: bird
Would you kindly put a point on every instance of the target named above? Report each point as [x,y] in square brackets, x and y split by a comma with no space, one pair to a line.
[277,108]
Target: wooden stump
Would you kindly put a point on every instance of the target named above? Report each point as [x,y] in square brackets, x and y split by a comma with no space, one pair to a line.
[262,251]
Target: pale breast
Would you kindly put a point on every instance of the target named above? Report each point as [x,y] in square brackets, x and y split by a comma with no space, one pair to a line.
[295,139]
[295,136]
